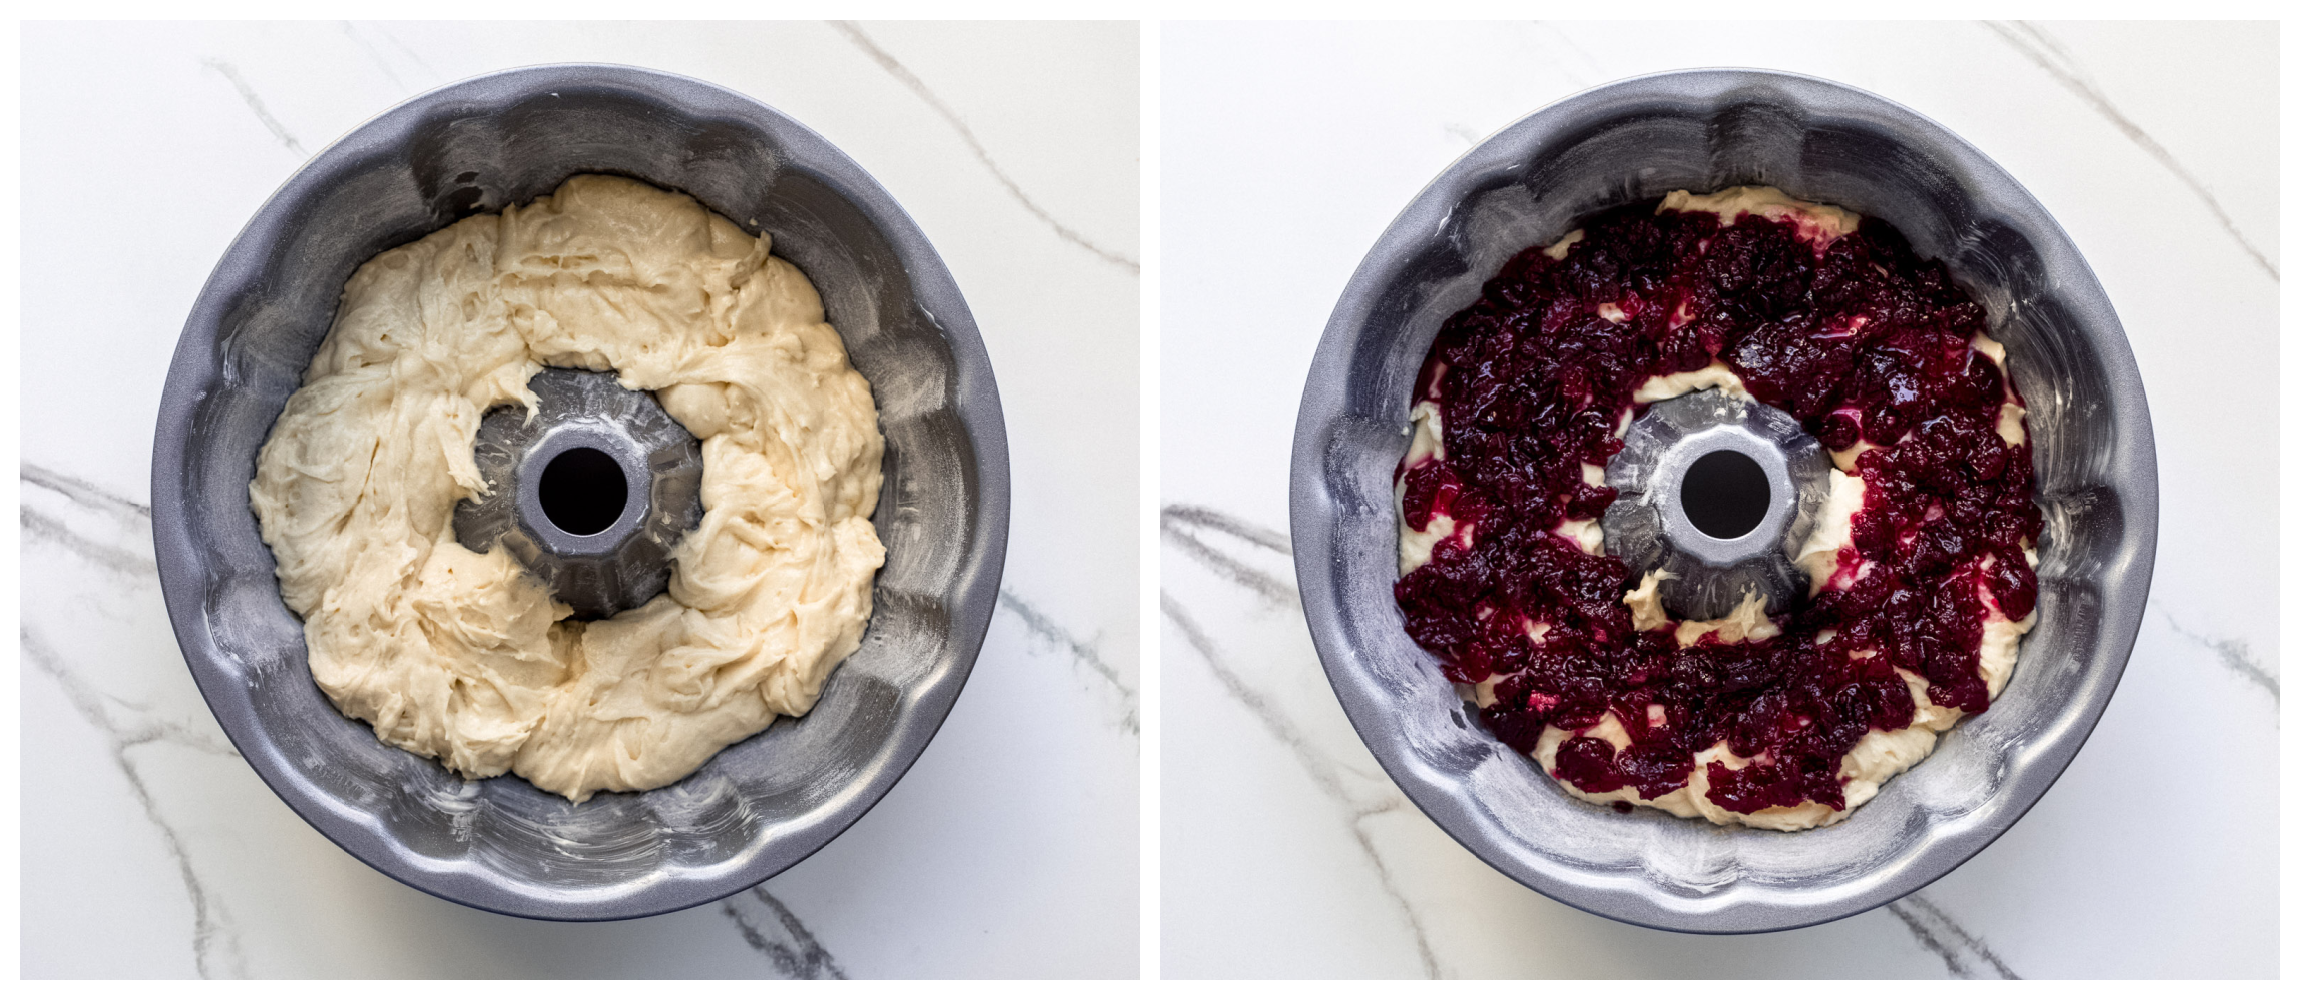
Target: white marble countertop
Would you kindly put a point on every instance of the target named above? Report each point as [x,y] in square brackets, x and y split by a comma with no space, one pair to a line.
[150,849]
[1286,149]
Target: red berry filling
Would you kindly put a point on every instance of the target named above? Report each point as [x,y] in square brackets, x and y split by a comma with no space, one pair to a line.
[1859,340]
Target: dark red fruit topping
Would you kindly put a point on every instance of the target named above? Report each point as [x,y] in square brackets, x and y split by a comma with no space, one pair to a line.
[1859,341]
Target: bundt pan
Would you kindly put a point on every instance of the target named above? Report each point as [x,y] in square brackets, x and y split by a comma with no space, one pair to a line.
[761,805]
[1704,130]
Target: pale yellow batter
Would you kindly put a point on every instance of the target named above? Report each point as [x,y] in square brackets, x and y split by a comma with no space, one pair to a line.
[465,657]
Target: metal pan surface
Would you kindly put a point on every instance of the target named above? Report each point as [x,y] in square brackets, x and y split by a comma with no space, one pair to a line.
[761,805]
[1705,130]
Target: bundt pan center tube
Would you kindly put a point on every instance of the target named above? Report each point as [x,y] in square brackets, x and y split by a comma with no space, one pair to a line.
[1704,131]
[591,493]
[1718,493]
[590,496]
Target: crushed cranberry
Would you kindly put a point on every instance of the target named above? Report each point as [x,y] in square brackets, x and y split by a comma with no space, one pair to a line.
[1859,340]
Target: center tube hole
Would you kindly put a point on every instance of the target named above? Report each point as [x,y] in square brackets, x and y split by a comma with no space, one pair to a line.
[582,491]
[1725,494]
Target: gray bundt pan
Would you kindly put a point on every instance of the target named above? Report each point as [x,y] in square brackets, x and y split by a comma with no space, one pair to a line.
[1708,129]
[761,805]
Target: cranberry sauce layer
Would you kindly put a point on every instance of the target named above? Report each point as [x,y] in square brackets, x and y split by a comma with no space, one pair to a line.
[1855,337]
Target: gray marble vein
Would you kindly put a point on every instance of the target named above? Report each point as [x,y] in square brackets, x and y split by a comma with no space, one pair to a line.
[2040,48]
[215,942]
[786,944]
[908,79]
[98,708]
[49,528]
[352,31]
[412,55]
[1081,652]
[135,568]
[1181,523]
[83,492]
[2235,654]
[256,104]
[1322,772]
[1967,956]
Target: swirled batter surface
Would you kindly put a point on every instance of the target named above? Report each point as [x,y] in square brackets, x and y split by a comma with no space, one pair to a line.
[1921,569]
[464,656]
